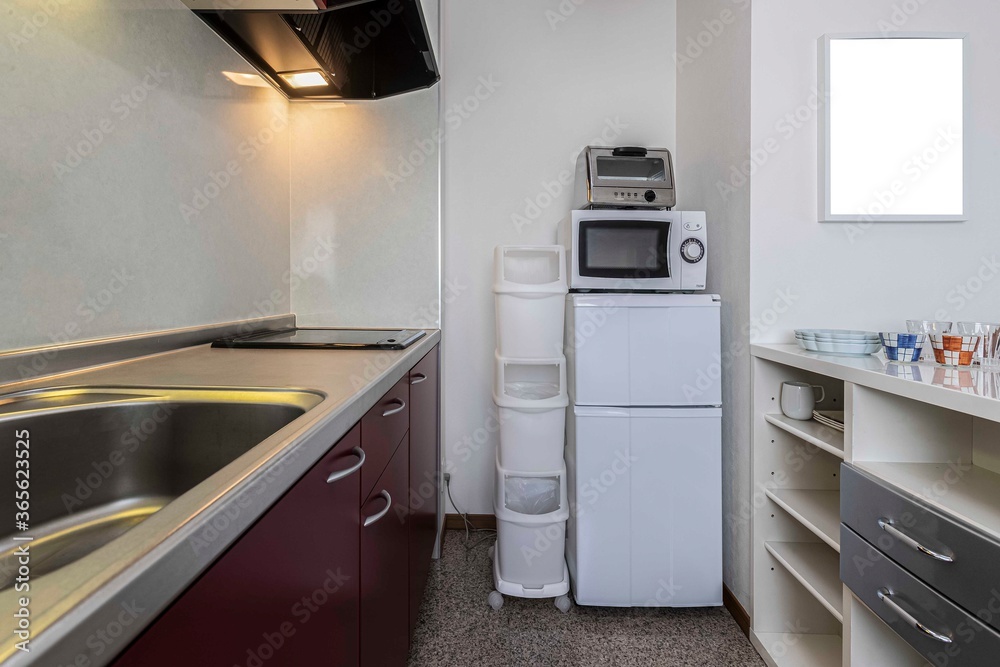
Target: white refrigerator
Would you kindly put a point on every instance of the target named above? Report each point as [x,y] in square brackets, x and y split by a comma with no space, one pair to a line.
[644,449]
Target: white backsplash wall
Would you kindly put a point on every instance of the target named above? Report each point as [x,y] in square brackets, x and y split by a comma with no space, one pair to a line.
[713,136]
[846,276]
[365,218]
[140,190]
[530,83]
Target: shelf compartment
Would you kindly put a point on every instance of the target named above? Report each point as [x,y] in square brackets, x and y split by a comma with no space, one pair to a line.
[819,511]
[828,439]
[974,500]
[817,567]
[801,650]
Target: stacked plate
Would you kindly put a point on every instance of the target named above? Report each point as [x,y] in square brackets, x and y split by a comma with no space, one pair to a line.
[839,341]
[832,418]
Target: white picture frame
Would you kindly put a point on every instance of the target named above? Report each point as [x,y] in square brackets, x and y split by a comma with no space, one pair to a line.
[871,187]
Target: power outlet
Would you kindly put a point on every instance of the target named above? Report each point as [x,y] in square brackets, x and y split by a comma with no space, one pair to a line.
[447,478]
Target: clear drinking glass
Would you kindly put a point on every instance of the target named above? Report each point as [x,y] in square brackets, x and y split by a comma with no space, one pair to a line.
[988,352]
[928,327]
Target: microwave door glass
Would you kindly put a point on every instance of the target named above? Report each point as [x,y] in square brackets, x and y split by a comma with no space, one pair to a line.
[626,250]
[647,169]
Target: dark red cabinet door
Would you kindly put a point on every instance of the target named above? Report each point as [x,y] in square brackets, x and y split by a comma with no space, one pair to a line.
[424,479]
[382,428]
[287,594]
[385,638]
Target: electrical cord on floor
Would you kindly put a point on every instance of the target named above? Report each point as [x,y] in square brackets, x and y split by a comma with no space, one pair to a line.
[469,528]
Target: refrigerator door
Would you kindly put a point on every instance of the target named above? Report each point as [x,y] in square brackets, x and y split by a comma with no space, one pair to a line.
[676,498]
[644,350]
[645,525]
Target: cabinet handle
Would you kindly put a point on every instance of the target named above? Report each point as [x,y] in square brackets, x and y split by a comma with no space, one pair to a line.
[402,406]
[885,595]
[418,378]
[357,451]
[369,520]
[886,525]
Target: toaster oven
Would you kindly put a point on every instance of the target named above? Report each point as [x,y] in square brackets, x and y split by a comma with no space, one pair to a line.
[625,177]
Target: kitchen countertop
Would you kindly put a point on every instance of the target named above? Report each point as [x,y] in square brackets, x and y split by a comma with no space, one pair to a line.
[87,612]
[968,389]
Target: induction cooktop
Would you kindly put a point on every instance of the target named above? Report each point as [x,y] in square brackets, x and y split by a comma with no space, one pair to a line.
[325,339]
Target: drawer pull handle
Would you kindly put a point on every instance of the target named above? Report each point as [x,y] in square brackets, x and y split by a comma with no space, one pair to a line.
[886,525]
[357,451]
[418,378]
[402,406]
[375,517]
[885,595]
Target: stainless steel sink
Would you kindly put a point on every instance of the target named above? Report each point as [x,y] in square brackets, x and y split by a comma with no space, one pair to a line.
[103,459]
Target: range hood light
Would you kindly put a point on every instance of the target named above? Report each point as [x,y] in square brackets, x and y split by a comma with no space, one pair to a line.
[244,79]
[305,79]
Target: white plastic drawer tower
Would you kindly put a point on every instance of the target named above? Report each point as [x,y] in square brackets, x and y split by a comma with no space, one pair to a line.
[530,391]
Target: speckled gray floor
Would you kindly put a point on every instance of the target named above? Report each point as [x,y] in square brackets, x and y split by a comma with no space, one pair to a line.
[457,627]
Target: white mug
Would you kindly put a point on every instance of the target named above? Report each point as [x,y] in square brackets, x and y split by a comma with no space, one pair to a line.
[798,399]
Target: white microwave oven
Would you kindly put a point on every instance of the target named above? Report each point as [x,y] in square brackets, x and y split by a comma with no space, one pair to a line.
[626,250]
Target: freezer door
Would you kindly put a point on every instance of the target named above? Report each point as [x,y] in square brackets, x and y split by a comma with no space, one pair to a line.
[644,350]
[676,499]
[674,356]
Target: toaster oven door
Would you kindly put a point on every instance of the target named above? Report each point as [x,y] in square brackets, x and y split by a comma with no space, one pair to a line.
[622,249]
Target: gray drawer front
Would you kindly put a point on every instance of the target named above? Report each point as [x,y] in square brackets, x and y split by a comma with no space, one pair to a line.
[972,580]
[866,571]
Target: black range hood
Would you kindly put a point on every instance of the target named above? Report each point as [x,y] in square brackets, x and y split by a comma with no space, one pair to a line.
[329,49]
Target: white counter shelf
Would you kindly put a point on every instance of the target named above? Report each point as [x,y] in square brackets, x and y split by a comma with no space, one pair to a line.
[931,431]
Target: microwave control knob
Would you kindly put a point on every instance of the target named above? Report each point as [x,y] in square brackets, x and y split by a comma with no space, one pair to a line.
[650,196]
[693,251]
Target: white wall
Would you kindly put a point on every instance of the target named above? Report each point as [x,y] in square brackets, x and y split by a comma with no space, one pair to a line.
[713,135]
[114,113]
[365,176]
[529,84]
[844,276]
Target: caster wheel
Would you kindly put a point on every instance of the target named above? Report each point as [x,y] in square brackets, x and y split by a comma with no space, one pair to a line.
[493,550]
[496,600]
[563,603]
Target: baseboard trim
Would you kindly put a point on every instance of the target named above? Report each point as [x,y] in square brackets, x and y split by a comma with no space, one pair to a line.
[484,521]
[739,614]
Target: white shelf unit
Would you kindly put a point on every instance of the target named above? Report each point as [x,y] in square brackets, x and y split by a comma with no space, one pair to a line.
[781,649]
[828,439]
[905,424]
[797,595]
[819,511]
